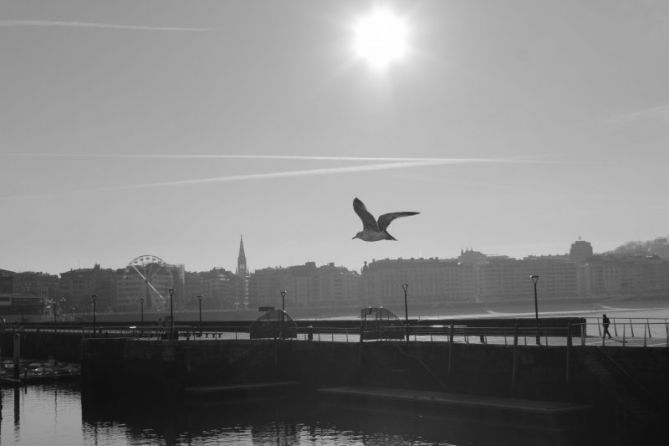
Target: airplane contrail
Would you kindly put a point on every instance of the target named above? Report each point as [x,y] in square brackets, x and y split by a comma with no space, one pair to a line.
[268,157]
[281,174]
[76,24]
[255,176]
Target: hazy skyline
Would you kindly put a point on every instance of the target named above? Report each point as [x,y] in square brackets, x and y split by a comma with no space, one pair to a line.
[171,128]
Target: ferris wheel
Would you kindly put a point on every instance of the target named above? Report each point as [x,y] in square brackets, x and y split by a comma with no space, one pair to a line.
[153,271]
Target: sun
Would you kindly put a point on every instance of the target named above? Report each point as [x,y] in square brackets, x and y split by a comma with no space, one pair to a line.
[380,38]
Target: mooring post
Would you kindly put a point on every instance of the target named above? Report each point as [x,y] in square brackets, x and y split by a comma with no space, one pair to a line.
[17,355]
[450,349]
[514,364]
[569,341]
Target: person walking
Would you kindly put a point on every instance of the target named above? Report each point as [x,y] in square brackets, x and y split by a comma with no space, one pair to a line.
[605,324]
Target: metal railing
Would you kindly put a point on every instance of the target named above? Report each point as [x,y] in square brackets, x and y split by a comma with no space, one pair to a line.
[625,332]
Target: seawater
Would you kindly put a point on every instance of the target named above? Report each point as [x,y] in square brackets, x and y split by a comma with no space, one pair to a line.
[59,415]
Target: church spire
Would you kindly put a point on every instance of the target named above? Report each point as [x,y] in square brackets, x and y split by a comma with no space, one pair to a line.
[242,269]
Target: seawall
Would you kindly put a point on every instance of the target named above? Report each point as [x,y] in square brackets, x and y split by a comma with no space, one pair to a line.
[615,381]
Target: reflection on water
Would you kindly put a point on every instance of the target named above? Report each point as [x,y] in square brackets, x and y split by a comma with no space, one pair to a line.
[57,415]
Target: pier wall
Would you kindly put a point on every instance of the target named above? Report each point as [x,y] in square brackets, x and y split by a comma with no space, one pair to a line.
[145,367]
[168,367]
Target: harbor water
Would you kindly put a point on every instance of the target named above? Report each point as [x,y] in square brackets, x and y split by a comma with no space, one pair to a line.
[58,415]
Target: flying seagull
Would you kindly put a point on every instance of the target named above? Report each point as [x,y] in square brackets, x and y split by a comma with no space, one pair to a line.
[372,230]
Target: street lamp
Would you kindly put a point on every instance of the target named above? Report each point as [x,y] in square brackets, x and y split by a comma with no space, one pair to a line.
[535,279]
[93,299]
[141,309]
[283,300]
[171,291]
[199,301]
[405,287]
[283,309]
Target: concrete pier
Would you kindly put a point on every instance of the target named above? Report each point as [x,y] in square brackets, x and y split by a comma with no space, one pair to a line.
[617,382]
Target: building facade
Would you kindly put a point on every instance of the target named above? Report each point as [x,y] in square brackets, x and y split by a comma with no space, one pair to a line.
[306,286]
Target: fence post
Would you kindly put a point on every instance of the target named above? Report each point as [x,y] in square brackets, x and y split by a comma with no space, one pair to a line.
[650,335]
[582,334]
[624,333]
[631,328]
[644,337]
[599,327]
[615,327]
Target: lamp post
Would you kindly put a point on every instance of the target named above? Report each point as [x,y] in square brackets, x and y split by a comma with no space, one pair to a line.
[199,301]
[535,279]
[141,309]
[283,309]
[93,299]
[405,287]
[171,291]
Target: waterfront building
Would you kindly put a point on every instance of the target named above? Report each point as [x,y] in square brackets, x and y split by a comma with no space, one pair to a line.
[580,251]
[502,278]
[77,285]
[558,276]
[6,281]
[131,287]
[307,286]
[265,285]
[336,285]
[431,282]
[37,284]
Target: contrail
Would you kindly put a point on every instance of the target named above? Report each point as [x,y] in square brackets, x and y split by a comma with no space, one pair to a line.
[268,157]
[256,176]
[660,112]
[284,174]
[28,23]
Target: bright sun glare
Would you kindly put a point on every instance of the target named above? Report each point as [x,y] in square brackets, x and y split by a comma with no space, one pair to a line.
[380,38]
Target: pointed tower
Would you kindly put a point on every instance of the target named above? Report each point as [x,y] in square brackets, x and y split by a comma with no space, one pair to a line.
[243,274]
[242,270]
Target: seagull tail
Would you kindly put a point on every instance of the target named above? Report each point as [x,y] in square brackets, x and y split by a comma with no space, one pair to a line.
[390,237]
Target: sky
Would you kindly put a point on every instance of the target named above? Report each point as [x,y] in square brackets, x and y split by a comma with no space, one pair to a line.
[172,128]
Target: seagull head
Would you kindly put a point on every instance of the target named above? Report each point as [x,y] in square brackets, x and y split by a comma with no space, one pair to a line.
[358,235]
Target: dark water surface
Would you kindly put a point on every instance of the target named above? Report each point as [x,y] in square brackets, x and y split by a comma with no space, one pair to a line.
[58,415]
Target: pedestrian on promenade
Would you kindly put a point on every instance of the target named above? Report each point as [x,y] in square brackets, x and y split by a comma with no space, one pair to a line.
[605,324]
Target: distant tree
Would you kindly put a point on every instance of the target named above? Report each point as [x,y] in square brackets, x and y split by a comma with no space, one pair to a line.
[658,247]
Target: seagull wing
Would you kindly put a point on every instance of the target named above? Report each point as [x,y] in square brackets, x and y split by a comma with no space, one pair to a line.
[368,221]
[386,219]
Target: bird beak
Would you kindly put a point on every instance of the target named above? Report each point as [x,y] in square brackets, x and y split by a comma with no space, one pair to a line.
[354,237]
